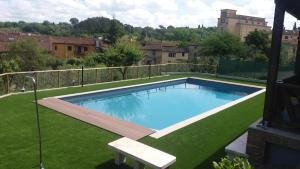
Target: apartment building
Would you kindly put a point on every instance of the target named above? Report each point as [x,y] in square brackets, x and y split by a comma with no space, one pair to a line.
[241,25]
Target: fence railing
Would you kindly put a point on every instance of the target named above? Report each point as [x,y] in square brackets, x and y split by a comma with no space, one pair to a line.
[17,81]
[251,69]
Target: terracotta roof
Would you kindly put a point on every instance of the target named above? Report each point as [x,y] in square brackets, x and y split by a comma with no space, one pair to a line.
[45,41]
[165,47]
[72,40]
[152,47]
[3,47]
[174,49]
[8,37]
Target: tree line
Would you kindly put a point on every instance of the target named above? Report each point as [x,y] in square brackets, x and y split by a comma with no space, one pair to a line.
[100,26]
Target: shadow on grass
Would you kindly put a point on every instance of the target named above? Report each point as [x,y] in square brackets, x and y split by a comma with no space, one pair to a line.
[111,165]
[207,164]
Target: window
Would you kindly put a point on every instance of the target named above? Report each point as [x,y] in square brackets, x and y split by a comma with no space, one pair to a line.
[69,48]
[55,47]
[286,37]
[183,53]
[153,52]
[85,49]
[172,55]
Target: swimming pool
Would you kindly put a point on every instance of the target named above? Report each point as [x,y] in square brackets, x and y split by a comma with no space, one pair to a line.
[160,105]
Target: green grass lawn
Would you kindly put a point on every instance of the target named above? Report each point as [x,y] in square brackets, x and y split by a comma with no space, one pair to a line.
[72,144]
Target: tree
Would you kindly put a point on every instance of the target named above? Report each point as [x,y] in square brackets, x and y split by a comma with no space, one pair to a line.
[222,45]
[143,35]
[261,58]
[182,34]
[128,28]
[9,66]
[29,55]
[46,23]
[258,41]
[74,21]
[95,25]
[170,27]
[295,27]
[114,32]
[122,54]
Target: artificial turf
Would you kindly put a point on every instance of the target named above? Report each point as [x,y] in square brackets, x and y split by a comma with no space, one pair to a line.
[72,144]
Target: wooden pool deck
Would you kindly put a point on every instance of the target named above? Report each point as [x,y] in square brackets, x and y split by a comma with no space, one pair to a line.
[120,127]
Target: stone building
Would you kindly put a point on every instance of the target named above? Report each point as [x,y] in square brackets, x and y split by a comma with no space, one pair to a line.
[240,25]
[59,46]
[162,53]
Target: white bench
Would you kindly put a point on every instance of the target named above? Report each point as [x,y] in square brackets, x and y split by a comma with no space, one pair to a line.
[141,153]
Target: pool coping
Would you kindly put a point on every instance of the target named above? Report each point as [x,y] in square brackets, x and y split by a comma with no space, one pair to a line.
[116,88]
[160,133]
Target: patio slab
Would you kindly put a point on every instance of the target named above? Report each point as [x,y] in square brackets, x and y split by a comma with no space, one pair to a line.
[238,147]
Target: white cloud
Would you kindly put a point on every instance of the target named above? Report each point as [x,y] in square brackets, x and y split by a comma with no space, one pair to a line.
[136,12]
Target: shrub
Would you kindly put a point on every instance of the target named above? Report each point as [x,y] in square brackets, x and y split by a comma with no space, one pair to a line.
[262,58]
[54,63]
[236,163]
[74,62]
[9,66]
[89,61]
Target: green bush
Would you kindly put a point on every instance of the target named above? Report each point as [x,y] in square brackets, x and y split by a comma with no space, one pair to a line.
[262,58]
[29,55]
[9,66]
[236,163]
[74,62]
[53,62]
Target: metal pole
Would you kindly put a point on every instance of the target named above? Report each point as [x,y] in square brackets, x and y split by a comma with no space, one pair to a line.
[7,84]
[149,70]
[96,75]
[58,79]
[38,120]
[81,76]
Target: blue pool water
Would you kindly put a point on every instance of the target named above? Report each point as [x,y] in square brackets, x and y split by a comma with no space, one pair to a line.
[161,105]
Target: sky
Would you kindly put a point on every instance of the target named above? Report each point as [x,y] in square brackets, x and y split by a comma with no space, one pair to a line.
[179,13]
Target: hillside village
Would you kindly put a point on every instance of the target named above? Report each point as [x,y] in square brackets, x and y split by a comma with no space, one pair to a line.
[192,84]
[155,51]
